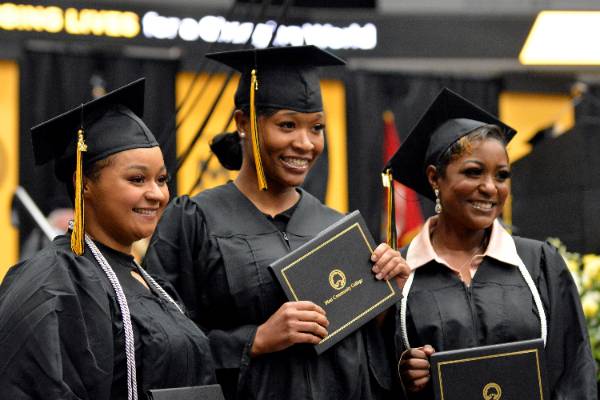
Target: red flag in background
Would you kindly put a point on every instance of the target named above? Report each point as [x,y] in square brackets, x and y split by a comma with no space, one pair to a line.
[407,208]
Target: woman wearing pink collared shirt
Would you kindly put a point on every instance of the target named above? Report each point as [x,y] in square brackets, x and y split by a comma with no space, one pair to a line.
[472,283]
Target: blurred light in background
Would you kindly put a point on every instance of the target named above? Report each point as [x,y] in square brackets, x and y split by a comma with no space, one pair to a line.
[563,38]
[213,28]
[52,19]
[326,3]
[208,28]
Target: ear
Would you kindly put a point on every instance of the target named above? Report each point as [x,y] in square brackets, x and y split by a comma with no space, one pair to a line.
[88,189]
[432,176]
[85,182]
[242,122]
[86,186]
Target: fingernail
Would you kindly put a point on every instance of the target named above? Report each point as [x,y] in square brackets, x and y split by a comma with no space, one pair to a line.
[378,276]
[373,257]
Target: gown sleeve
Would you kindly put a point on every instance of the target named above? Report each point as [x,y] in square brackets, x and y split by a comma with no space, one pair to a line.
[181,251]
[56,339]
[571,366]
[174,248]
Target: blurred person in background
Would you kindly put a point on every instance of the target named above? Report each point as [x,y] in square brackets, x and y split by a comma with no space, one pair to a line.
[58,219]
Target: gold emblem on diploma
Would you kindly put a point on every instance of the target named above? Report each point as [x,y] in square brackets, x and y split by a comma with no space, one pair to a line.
[492,391]
[337,279]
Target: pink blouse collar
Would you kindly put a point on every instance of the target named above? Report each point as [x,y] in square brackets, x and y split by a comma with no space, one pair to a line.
[501,247]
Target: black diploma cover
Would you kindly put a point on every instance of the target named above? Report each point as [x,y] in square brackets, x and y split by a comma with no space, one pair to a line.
[333,270]
[208,392]
[503,371]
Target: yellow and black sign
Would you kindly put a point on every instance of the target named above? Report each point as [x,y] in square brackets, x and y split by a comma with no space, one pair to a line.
[73,21]
[9,144]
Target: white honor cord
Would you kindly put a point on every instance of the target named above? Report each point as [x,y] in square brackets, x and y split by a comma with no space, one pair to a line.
[403,301]
[158,288]
[537,300]
[132,393]
[526,276]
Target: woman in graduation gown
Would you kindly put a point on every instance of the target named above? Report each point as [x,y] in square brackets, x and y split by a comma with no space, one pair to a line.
[472,283]
[80,319]
[215,247]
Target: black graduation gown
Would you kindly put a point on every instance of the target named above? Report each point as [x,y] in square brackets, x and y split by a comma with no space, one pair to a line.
[215,249]
[61,334]
[498,307]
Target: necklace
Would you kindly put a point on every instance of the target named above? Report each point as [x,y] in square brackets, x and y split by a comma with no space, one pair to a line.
[477,250]
[470,259]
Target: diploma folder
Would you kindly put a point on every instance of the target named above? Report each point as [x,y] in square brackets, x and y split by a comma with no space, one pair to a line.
[503,371]
[208,392]
[333,270]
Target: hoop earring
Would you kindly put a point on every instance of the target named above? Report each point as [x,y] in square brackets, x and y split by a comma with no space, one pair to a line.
[438,204]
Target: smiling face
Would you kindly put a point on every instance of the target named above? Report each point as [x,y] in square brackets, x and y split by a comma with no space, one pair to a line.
[124,202]
[291,142]
[474,186]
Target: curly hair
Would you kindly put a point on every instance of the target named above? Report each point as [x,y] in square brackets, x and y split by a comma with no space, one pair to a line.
[465,144]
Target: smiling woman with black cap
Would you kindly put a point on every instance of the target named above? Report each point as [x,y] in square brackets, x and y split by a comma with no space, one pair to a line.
[472,283]
[215,247]
[80,319]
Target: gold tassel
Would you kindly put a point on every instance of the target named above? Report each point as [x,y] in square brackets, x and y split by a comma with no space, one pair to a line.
[391,234]
[260,173]
[77,236]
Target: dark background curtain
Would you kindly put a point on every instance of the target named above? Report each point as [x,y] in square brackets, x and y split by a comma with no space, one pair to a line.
[407,96]
[556,188]
[55,80]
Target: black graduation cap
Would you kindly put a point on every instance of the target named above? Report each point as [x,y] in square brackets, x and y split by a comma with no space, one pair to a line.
[287,76]
[544,134]
[447,119]
[111,123]
[279,78]
[89,133]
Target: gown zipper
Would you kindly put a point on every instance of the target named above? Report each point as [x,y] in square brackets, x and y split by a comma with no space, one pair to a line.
[473,318]
[286,239]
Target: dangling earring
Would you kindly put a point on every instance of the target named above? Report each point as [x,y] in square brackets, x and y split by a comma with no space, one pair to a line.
[242,134]
[438,204]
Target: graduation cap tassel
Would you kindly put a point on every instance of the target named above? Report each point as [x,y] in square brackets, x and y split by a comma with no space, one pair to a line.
[77,236]
[260,173]
[391,235]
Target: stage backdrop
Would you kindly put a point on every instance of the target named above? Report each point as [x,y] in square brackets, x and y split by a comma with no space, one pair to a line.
[556,187]
[9,161]
[529,113]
